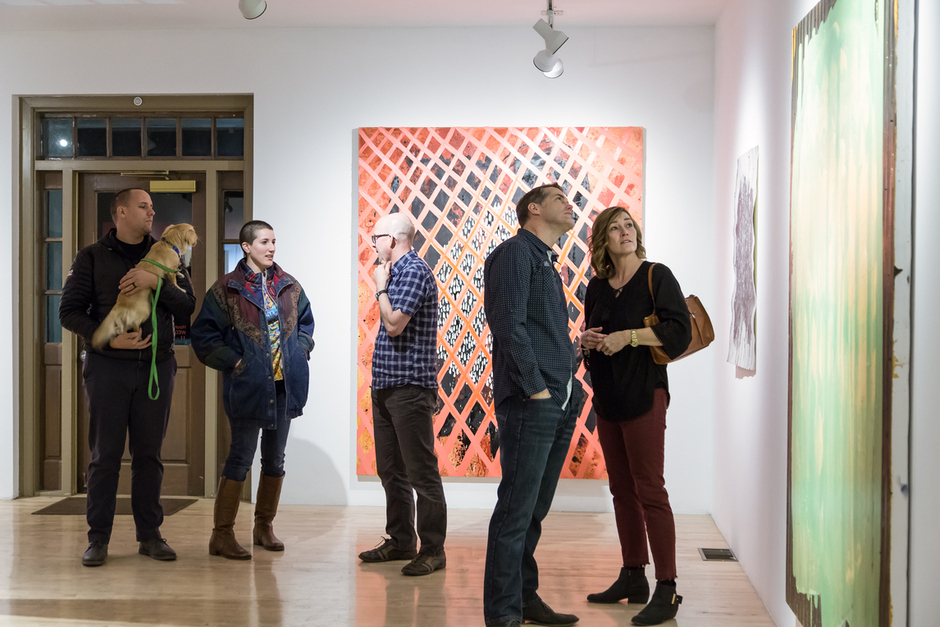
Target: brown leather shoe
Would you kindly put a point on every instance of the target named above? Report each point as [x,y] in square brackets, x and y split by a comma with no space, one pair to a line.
[223,540]
[269,493]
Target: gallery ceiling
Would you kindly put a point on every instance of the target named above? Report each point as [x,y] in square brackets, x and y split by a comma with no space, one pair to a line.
[78,15]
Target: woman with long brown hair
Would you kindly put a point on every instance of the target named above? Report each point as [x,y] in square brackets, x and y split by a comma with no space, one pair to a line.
[631,394]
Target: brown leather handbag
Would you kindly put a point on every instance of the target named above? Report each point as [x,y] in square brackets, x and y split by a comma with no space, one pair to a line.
[702,332]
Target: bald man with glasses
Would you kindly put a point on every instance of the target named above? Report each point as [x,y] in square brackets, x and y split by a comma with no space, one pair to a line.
[404,397]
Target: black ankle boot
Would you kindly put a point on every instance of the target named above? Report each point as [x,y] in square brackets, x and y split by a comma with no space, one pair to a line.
[630,585]
[663,606]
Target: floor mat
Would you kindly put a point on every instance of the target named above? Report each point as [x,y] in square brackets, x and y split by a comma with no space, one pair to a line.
[75,505]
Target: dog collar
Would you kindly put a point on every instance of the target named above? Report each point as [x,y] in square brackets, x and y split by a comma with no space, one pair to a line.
[175,249]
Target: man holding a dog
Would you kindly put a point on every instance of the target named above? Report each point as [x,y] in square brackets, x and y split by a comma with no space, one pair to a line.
[116,377]
[404,398]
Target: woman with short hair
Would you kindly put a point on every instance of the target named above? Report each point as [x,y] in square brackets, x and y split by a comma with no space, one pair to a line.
[255,326]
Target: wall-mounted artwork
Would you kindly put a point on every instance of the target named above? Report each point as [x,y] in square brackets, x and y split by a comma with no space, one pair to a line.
[460,187]
[742,341]
[841,247]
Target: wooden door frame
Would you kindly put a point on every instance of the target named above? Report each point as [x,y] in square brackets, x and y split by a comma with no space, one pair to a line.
[27,223]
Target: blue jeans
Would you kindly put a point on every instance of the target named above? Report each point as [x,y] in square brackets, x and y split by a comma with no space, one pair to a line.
[245,441]
[534,437]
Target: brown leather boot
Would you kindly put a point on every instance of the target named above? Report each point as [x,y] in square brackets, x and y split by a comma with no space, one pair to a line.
[269,493]
[223,540]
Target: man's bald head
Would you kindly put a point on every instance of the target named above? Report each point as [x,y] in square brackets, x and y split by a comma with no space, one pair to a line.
[398,226]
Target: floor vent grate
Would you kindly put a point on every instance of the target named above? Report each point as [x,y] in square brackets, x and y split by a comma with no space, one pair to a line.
[717,555]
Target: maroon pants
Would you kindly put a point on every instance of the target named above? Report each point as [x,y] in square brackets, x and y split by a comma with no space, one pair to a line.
[634,452]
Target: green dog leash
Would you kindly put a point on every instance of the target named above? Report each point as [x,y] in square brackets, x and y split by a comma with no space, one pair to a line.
[154,379]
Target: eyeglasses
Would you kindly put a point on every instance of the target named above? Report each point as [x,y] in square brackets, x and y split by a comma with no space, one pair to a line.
[375,238]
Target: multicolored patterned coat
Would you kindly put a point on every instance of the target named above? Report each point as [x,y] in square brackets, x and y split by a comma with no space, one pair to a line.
[231,330]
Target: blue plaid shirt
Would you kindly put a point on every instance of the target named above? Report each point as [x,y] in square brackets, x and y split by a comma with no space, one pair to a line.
[410,358]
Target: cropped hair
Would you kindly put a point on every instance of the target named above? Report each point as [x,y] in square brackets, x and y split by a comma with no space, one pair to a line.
[121,199]
[249,232]
[535,195]
[600,258]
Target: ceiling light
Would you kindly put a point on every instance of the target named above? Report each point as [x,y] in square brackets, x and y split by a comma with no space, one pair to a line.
[252,9]
[546,61]
[548,64]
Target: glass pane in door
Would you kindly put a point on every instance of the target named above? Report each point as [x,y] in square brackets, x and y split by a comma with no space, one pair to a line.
[57,137]
[125,137]
[233,207]
[54,213]
[197,137]
[54,265]
[92,137]
[161,137]
[232,254]
[230,137]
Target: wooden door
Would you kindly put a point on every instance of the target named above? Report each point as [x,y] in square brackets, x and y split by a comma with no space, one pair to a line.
[50,426]
[184,446]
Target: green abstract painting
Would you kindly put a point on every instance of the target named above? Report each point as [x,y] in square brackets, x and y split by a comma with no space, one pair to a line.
[837,314]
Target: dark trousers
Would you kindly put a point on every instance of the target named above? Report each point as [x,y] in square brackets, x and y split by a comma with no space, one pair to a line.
[120,409]
[634,452]
[245,442]
[405,460]
[534,437]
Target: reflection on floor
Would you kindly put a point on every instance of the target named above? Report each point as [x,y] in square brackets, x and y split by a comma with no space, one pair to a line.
[319,581]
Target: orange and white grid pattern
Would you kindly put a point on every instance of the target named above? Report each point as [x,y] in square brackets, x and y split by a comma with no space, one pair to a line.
[460,187]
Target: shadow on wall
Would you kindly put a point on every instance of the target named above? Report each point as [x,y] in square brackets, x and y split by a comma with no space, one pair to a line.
[311,476]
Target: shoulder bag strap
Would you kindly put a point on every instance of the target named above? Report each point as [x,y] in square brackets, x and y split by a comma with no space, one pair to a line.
[653,296]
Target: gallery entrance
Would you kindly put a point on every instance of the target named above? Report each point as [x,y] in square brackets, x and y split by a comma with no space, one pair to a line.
[193,155]
[184,445]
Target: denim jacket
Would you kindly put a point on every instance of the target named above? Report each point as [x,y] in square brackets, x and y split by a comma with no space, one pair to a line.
[231,329]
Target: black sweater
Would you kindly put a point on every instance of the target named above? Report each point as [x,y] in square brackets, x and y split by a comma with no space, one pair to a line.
[91,289]
[624,383]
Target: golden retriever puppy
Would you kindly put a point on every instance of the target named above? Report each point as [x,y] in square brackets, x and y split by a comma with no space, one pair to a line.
[129,312]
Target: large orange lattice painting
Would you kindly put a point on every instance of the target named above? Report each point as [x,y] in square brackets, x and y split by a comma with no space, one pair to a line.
[460,186]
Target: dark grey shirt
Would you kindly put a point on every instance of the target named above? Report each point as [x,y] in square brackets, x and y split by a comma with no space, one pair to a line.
[524,301]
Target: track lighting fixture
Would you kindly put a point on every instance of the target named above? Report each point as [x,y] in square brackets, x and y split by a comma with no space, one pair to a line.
[546,61]
[252,9]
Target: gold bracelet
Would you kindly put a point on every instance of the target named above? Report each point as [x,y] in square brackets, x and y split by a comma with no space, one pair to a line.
[633,341]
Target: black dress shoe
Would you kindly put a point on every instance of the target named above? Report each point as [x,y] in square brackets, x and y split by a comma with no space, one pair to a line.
[538,612]
[95,554]
[158,549]
[630,585]
[662,607]
[386,552]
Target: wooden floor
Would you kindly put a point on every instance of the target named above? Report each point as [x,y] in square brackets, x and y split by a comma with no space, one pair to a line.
[319,581]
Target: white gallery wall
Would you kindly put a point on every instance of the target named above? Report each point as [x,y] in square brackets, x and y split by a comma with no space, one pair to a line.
[752,107]
[925,398]
[312,89]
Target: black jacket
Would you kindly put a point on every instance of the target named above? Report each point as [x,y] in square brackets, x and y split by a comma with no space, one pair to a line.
[91,289]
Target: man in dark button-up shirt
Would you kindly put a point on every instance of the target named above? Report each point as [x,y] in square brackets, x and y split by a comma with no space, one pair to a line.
[536,397]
